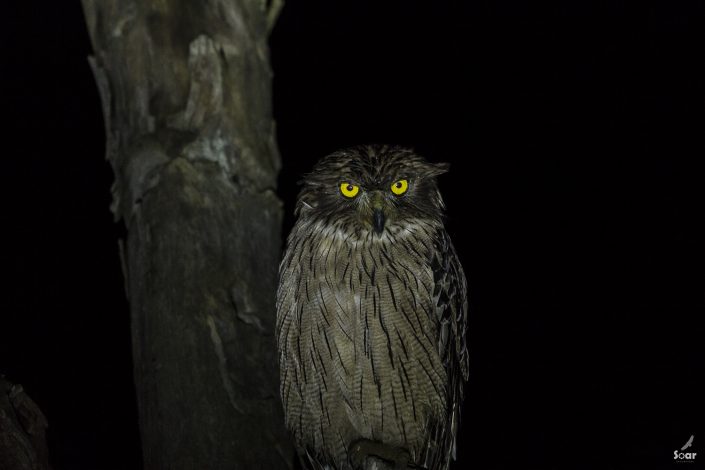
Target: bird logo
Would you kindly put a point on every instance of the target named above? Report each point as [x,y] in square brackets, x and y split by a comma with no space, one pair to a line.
[689,443]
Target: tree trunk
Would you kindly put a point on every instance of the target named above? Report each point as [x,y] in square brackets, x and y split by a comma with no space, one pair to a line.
[186,90]
[22,430]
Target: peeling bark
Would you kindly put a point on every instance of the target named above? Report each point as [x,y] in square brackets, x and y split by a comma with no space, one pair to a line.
[186,92]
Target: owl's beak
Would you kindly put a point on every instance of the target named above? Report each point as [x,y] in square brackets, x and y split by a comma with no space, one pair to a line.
[378,221]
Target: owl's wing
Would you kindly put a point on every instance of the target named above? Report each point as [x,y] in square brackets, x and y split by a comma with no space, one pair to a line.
[451,304]
[451,298]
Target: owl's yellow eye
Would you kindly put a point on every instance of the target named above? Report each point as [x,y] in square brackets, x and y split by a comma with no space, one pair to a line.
[349,190]
[400,187]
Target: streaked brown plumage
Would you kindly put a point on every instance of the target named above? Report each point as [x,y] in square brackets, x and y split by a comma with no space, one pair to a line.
[372,312]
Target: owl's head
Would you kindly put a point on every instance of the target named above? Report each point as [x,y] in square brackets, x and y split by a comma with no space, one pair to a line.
[373,189]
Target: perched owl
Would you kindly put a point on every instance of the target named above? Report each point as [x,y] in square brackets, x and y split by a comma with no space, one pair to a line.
[371,315]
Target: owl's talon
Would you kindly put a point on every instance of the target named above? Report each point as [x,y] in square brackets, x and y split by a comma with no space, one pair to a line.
[367,454]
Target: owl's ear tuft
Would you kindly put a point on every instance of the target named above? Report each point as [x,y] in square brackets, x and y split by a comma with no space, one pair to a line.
[435,169]
[305,205]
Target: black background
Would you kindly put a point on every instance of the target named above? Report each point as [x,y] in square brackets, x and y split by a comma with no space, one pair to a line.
[573,130]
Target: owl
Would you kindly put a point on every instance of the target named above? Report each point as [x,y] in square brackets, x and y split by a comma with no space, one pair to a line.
[371,315]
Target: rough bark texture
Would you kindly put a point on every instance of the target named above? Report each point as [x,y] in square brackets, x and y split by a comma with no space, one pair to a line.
[22,430]
[186,90]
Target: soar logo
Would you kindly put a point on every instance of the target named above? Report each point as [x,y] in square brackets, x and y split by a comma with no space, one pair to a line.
[685,456]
